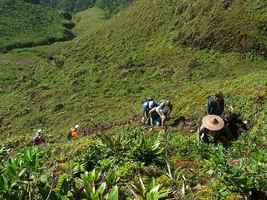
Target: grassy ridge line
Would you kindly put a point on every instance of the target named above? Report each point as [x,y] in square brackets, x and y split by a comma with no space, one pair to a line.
[26,25]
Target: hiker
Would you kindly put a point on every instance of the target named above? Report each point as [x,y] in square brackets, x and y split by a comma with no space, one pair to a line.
[38,138]
[213,126]
[216,104]
[148,104]
[154,119]
[74,133]
[235,124]
[161,112]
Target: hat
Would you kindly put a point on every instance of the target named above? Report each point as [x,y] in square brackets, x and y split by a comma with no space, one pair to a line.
[213,122]
[39,131]
[77,126]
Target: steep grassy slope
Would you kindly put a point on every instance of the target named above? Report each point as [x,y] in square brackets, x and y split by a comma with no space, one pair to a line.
[88,21]
[132,56]
[232,25]
[111,7]
[25,25]
[101,78]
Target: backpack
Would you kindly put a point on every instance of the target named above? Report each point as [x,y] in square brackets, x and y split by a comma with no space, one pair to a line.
[145,107]
[151,104]
[214,107]
[155,119]
[166,109]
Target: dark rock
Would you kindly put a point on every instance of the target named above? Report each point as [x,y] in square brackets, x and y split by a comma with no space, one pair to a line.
[58,107]
[194,63]
[258,195]
[227,3]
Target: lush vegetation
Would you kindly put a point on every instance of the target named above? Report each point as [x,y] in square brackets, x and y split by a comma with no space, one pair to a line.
[230,25]
[88,21]
[66,5]
[26,25]
[99,79]
[133,164]
[111,7]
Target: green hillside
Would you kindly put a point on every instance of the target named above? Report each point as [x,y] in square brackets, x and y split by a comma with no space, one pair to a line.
[111,7]
[66,5]
[88,21]
[178,50]
[25,25]
[223,25]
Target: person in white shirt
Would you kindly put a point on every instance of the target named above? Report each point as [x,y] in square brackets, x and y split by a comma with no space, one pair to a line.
[163,110]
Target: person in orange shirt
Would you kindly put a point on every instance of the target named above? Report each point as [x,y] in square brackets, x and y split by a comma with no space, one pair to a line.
[74,133]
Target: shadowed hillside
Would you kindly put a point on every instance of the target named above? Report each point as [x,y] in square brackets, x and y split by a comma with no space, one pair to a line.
[26,25]
[111,7]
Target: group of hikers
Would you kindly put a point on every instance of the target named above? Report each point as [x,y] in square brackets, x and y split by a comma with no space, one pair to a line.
[72,134]
[216,126]
[156,113]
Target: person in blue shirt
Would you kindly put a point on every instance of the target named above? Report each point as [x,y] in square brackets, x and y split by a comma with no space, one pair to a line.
[148,104]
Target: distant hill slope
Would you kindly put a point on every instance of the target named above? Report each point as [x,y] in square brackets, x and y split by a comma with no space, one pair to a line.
[111,7]
[66,5]
[227,26]
[25,25]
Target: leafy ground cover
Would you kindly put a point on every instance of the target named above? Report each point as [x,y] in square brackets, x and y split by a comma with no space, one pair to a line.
[100,78]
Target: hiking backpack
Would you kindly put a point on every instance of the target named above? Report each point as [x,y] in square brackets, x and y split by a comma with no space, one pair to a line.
[214,107]
[166,109]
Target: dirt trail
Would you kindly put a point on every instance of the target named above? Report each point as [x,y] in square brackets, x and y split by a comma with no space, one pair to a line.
[187,125]
[93,129]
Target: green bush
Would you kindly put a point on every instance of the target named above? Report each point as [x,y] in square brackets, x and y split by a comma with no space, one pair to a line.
[149,191]
[24,176]
[87,185]
[244,175]
[129,145]
[249,174]
[111,6]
